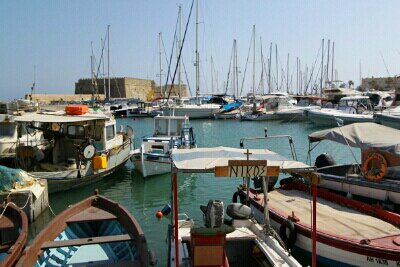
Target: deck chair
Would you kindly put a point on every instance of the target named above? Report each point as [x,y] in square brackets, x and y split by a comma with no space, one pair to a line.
[208,247]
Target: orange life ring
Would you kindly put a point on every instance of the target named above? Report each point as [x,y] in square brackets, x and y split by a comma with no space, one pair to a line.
[375,167]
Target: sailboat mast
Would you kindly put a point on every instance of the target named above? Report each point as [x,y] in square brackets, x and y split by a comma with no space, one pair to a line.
[254,59]
[262,68]
[322,66]
[269,68]
[212,80]
[277,70]
[197,50]
[160,64]
[179,49]
[287,74]
[327,60]
[108,62]
[333,53]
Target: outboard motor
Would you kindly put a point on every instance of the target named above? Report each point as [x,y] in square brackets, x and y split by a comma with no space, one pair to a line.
[324,160]
[213,213]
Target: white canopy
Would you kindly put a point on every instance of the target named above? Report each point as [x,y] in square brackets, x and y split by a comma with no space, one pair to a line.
[205,159]
[60,117]
[362,135]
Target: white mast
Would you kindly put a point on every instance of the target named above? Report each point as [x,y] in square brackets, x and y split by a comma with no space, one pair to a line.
[254,59]
[197,51]
[108,62]
[179,51]
[159,49]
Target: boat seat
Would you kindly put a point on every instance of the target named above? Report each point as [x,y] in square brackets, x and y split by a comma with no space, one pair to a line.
[86,241]
[91,214]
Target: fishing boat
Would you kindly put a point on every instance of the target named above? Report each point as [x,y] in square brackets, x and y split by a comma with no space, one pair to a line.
[24,190]
[153,156]
[377,177]
[94,232]
[12,136]
[351,109]
[347,232]
[85,147]
[193,108]
[13,233]
[237,241]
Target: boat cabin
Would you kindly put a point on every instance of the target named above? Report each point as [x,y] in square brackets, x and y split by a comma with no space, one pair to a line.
[69,135]
[355,104]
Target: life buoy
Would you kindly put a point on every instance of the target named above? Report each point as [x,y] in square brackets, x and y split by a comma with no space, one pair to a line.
[288,225]
[375,167]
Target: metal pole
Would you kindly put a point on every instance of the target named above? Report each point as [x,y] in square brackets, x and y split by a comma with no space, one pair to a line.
[108,61]
[322,66]
[254,60]
[314,219]
[212,80]
[287,74]
[178,51]
[175,190]
[269,68]
[327,61]
[333,53]
[160,64]
[197,51]
[276,63]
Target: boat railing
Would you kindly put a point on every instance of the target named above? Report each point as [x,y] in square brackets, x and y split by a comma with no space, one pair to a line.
[266,137]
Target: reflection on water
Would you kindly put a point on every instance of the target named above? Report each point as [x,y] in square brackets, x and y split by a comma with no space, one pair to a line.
[144,197]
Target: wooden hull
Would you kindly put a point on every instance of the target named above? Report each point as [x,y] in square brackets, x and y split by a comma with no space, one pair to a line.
[112,233]
[333,248]
[14,233]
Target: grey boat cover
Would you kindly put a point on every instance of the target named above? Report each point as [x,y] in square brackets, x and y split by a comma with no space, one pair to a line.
[206,159]
[362,135]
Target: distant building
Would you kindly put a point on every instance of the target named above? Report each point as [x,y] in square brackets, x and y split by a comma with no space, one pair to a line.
[125,87]
[381,83]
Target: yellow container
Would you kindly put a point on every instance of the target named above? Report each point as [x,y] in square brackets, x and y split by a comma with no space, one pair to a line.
[100,162]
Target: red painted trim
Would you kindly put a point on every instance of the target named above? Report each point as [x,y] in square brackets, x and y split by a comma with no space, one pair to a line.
[390,252]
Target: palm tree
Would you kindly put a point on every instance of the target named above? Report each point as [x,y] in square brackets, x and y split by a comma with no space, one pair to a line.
[351,83]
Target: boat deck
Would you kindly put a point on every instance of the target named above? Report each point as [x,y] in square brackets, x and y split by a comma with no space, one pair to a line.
[331,217]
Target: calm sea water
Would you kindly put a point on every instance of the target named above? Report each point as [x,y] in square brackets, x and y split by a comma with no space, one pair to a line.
[144,197]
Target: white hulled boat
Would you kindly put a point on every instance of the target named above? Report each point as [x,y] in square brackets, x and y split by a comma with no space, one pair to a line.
[389,117]
[350,109]
[153,156]
[84,148]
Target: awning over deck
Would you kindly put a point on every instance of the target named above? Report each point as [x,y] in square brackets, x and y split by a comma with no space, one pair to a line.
[362,135]
[206,159]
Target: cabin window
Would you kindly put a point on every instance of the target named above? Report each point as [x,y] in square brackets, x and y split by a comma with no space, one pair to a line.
[110,132]
[76,131]
[7,129]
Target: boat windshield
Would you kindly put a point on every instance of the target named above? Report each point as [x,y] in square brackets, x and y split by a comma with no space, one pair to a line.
[353,102]
[175,127]
[7,129]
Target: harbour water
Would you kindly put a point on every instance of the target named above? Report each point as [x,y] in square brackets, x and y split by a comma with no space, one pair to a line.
[143,197]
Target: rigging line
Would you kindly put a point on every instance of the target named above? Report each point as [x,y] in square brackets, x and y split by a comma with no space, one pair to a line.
[187,79]
[245,68]
[180,50]
[229,71]
[165,54]
[170,58]
[312,69]
[102,54]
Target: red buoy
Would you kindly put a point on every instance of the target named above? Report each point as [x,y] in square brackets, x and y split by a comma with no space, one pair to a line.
[159,214]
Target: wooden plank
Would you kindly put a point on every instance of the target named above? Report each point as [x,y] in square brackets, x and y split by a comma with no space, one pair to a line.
[91,214]
[223,171]
[86,241]
[247,163]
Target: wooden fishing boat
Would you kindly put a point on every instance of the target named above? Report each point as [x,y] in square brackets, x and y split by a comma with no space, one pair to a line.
[237,241]
[96,232]
[85,147]
[377,178]
[349,232]
[13,233]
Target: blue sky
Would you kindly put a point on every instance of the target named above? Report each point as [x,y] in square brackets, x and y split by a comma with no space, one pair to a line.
[56,35]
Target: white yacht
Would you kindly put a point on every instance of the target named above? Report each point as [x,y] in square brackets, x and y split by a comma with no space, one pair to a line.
[350,109]
[268,108]
[193,108]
